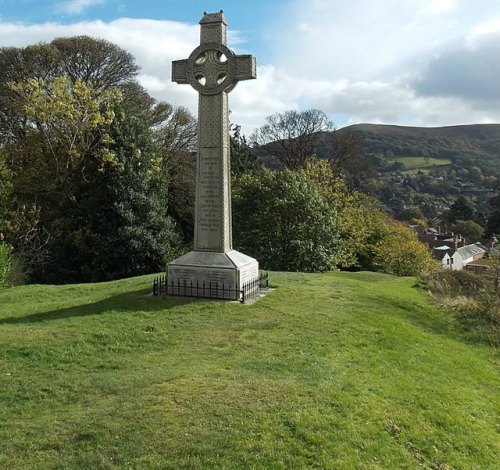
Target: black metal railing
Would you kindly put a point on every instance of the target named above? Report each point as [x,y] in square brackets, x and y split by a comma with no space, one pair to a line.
[210,290]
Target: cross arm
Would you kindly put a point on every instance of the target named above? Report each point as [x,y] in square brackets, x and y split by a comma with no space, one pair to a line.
[246,67]
[179,71]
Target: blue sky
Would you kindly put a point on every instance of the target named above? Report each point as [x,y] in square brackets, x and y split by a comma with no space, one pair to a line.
[411,62]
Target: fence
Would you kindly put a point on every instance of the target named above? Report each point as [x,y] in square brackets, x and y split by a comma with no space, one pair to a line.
[210,290]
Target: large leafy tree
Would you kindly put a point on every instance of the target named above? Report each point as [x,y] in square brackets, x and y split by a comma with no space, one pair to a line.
[359,216]
[120,226]
[311,220]
[282,219]
[67,122]
[77,133]
[400,253]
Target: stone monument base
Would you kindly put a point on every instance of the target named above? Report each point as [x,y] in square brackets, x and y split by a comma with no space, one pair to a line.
[212,274]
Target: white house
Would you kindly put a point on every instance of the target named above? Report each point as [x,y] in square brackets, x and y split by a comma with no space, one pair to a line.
[459,258]
[443,254]
[467,254]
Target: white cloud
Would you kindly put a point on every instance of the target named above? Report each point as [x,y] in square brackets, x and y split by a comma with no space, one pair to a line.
[440,6]
[483,31]
[360,39]
[358,61]
[74,7]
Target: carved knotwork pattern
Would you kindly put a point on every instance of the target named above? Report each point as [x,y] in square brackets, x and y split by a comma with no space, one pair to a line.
[211,69]
[213,33]
[214,127]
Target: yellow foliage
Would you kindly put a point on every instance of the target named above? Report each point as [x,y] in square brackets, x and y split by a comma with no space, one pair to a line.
[72,116]
[399,252]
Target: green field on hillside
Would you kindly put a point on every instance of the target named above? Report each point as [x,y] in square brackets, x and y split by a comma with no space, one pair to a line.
[413,164]
[335,370]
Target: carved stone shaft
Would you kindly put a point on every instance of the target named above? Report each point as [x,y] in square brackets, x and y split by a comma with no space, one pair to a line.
[213,70]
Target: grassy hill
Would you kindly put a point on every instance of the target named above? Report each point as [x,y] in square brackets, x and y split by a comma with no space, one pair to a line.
[477,143]
[336,370]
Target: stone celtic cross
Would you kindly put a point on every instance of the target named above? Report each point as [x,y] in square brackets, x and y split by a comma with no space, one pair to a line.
[213,70]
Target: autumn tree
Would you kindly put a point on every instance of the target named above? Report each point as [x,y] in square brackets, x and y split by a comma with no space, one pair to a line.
[78,137]
[399,252]
[289,137]
[359,216]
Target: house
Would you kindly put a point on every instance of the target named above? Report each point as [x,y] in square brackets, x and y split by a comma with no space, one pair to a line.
[443,254]
[437,237]
[458,258]
[467,255]
[451,250]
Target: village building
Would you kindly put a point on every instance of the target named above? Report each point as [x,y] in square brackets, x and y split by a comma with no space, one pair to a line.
[451,250]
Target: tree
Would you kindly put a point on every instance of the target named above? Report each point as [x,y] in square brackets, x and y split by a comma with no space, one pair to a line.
[400,253]
[470,230]
[493,223]
[90,190]
[242,160]
[461,209]
[70,120]
[96,62]
[411,214]
[120,225]
[289,137]
[359,216]
[176,137]
[281,219]
[5,192]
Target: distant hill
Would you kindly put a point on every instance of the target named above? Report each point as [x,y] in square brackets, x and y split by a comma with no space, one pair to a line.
[465,145]
[477,144]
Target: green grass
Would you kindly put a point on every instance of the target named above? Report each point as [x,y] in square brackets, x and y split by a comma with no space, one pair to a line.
[413,164]
[337,370]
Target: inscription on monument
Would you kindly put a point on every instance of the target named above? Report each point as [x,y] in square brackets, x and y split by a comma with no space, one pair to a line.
[210,196]
[201,275]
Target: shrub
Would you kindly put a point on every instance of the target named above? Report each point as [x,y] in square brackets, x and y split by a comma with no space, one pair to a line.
[282,219]
[447,283]
[400,253]
[472,300]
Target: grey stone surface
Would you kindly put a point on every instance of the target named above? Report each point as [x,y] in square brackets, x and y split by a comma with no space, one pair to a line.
[213,70]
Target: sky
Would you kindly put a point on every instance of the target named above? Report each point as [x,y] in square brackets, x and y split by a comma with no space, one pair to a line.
[405,62]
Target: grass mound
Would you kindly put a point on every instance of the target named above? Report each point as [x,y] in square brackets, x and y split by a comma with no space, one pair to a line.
[336,370]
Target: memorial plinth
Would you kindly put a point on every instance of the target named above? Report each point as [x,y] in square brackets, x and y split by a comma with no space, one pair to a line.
[213,70]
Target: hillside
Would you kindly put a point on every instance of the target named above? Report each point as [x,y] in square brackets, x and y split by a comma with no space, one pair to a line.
[478,143]
[335,370]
